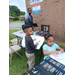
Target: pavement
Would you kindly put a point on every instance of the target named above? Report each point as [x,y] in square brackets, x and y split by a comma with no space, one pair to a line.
[14,25]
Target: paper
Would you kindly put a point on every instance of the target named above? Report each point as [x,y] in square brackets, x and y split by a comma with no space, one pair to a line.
[39,40]
[60,57]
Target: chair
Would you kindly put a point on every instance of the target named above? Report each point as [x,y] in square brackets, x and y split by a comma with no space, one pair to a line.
[13,49]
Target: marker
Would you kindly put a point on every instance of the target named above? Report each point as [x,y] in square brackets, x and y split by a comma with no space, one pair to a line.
[46,65]
[63,68]
[60,66]
[28,73]
[57,64]
[55,71]
[50,60]
[42,62]
[54,62]
[46,68]
[49,67]
[60,73]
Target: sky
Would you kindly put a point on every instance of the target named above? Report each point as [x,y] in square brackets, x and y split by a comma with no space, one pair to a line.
[21,4]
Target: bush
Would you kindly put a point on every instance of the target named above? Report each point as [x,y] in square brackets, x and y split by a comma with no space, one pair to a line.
[22,19]
[16,18]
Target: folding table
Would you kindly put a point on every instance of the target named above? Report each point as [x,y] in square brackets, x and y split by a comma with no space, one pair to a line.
[39,39]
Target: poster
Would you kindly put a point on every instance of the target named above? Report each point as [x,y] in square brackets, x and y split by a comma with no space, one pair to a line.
[35,1]
[36,8]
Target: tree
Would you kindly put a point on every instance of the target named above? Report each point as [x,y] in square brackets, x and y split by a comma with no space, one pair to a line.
[14,9]
[22,13]
[14,15]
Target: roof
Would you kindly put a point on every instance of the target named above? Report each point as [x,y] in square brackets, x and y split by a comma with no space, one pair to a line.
[11,17]
[22,16]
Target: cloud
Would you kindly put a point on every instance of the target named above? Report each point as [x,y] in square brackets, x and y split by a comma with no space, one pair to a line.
[19,3]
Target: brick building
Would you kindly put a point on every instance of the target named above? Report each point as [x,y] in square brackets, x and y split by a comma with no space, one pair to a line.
[11,18]
[21,17]
[53,14]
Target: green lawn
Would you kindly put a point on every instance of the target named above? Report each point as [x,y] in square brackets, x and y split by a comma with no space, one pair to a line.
[17,21]
[18,64]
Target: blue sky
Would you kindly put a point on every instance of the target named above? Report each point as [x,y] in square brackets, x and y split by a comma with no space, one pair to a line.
[19,3]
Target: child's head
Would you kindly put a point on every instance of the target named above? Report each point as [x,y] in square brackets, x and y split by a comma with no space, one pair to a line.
[49,39]
[28,30]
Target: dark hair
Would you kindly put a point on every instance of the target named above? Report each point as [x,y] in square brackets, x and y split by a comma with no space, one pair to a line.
[25,27]
[48,35]
[28,8]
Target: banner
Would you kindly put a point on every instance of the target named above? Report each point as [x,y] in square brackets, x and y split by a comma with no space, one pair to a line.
[36,8]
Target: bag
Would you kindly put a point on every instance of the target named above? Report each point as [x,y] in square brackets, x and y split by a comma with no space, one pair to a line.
[35,25]
[16,41]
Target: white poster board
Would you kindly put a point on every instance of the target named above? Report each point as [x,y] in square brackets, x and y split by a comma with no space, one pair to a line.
[60,57]
[39,39]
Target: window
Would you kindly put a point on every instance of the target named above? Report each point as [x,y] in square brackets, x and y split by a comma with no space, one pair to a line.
[11,18]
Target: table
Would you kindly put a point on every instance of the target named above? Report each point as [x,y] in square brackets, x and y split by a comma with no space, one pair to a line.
[39,39]
[60,57]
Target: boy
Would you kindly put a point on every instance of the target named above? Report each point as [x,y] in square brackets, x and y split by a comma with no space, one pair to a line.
[30,47]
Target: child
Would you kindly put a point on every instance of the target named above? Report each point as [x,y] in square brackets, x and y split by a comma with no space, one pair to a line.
[30,47]
[50,47]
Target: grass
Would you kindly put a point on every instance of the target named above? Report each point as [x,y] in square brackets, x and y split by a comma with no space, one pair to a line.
[17,21]
[18,64]
[18,27]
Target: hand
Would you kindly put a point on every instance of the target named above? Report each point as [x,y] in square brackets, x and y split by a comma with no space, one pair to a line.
[37,43]
[61,50]
[34,39]
[56,52]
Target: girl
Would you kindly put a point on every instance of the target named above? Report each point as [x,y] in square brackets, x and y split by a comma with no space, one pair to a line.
[50,47]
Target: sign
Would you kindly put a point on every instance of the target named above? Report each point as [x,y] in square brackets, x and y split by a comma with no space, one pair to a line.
[36,8]
[35,1]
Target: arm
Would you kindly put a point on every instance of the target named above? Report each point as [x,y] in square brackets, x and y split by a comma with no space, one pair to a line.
[27,19]
[31,43]
[50,52]
[59,48]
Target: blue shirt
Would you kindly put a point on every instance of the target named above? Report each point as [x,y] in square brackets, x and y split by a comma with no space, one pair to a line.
[47,48]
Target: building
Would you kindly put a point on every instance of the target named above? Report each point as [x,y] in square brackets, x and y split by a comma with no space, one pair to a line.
[21,17]
[11,18]
[52,13]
